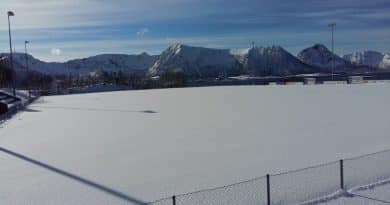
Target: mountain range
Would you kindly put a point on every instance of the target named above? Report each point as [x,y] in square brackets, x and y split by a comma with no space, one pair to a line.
[209,62]
[320,57]
[370,58]
[85,66]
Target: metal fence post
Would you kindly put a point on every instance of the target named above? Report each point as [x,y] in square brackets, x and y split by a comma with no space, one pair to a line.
[173,200]
[342,174]
[268,191]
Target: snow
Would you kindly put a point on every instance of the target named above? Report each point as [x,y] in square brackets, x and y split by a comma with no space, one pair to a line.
[102,87]
[380,193]
[239,51]
[311,75]
[273,60]
[195,61]
[157,143]
[377,195]
[243,77]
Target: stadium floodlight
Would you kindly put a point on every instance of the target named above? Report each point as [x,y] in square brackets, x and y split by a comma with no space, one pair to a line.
[332,25]
[10,13]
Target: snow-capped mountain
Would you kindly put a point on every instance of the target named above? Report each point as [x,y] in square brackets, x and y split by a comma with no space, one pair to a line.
[273,61]
[113,63]
[369,58]
[196,61]
[208,62]
[385,63]
[320,56]
[36,65]
[106,62]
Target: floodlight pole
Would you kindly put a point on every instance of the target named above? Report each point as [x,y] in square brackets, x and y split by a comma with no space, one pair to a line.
[28,83]
[332,25]
[10,13]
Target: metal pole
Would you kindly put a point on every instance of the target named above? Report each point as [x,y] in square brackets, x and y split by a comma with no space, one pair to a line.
[268,191]
[342,174]
[332,54]
[174,200]
[28,83]
[332,25]
[11,57]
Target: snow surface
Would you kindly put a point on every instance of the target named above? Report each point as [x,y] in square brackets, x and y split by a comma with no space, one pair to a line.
[378,195]
[156,143]
[102,87]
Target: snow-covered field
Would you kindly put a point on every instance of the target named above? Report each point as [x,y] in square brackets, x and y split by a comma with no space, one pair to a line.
[145,145]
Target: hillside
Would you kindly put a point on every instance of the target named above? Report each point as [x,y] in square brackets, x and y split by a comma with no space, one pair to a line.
[320,56]
[261,61]
[258,61]
[196,61]
[106,62]
[113,63]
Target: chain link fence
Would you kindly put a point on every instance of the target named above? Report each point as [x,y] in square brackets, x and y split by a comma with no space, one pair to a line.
[367,169]
[251,192]
[310,183]
[294,187]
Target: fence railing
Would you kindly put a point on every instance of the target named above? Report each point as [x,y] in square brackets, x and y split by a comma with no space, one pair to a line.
[294,187]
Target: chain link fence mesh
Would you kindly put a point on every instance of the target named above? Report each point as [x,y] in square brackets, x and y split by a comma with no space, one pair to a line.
[305,184]
[291,187]
[294,187]
[253,192]
[367,169]
[165,201]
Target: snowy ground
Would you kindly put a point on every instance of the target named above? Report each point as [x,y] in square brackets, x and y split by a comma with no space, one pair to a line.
[144,145]
[378,195]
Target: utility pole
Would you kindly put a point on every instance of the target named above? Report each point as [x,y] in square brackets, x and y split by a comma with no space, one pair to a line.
[28,83]
[332,25]
[10,13]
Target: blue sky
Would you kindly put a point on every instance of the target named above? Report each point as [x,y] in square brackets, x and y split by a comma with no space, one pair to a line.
[66,29]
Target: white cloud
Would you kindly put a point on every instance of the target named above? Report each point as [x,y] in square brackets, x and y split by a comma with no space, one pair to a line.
[55,51]
[142,32]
